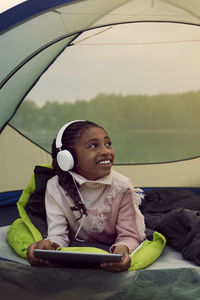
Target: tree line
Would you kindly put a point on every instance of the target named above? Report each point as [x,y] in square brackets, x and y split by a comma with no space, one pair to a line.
[130,112]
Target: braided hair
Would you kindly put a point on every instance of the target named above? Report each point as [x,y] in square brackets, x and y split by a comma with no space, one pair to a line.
[70,137]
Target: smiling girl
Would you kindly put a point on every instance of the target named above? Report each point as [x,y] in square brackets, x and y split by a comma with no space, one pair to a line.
[87,201]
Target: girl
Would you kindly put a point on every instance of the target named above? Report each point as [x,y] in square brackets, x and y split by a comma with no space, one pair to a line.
[87,201]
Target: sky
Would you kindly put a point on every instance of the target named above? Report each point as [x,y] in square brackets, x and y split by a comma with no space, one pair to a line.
[142,58]
[126,59]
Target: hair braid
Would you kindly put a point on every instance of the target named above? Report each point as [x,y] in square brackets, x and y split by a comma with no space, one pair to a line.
[71,136]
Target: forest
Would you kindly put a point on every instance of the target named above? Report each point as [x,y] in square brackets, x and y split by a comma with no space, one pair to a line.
[143,128]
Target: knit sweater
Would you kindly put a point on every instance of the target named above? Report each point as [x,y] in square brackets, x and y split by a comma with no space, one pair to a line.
[113,214]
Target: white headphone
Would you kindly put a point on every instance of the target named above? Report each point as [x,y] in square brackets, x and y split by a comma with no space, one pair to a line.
[64,157]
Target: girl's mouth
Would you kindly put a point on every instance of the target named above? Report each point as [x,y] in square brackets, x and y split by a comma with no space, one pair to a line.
[104,162]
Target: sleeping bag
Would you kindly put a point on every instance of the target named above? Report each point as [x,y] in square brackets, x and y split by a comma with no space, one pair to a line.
[32,225]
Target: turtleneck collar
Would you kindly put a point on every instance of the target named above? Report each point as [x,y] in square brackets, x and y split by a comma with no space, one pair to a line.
[92,183]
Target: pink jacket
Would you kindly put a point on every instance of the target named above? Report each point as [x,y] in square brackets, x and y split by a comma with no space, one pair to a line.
[113,219]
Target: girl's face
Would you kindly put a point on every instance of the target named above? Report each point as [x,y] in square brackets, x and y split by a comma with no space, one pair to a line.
[95,154]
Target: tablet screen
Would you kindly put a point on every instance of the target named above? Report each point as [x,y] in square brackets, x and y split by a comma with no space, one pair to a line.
[76,258]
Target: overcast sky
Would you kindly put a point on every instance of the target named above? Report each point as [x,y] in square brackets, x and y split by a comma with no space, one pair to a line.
[127,59]
[143,58]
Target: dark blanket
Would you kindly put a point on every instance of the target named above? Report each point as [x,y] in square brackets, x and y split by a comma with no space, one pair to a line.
[176,214]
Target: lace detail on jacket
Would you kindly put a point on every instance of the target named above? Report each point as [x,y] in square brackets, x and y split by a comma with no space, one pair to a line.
[98,216]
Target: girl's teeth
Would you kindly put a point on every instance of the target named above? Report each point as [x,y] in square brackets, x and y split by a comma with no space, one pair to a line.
[105,162]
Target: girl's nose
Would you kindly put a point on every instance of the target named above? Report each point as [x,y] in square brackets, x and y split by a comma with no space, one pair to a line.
[105,150]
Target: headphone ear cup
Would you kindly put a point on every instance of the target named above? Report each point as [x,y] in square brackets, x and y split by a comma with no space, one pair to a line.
[65,160]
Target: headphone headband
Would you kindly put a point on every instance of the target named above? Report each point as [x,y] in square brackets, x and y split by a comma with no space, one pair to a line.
[61,131]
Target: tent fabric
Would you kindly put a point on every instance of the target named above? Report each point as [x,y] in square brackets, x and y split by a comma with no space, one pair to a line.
[30,41]
[33,34]
[54,25]
[26,10]
[18,159]
[9,198]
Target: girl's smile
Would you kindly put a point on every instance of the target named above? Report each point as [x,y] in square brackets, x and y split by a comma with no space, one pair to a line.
[95,155]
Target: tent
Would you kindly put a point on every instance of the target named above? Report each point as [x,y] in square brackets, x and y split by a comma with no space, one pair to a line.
[54,25]
[33,35]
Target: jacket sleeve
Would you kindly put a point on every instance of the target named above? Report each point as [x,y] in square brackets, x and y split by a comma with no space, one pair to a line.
[57,223]
[127,231]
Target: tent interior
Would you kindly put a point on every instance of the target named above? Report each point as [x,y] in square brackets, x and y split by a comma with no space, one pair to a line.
[129,65]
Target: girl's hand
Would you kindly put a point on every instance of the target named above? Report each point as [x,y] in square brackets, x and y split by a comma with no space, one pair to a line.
[42,244]
[123,265]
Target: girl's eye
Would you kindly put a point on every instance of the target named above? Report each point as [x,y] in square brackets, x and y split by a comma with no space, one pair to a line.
[92,146]
[108,144]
